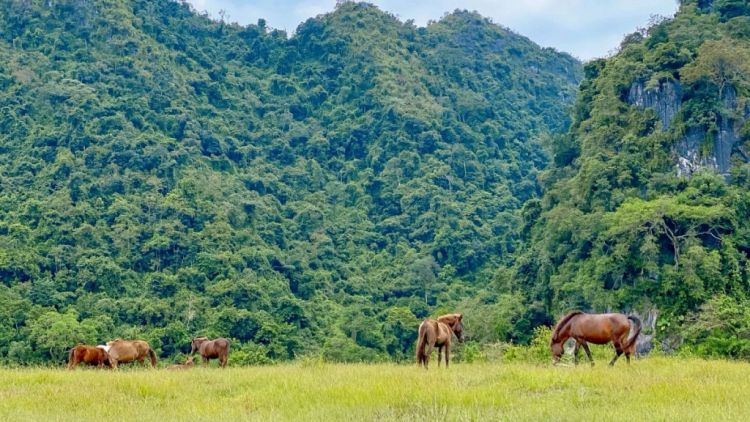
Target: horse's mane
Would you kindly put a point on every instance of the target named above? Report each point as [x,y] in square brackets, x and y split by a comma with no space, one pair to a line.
[563,321]
[200,338]
[449,319]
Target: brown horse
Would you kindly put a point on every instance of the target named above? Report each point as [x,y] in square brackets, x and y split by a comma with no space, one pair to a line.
[438,333]
[595,329]
[121,351]
[188,364]
[211,349]
[89,355]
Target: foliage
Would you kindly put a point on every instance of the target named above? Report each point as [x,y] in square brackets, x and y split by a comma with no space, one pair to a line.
[618,227]
[166,175]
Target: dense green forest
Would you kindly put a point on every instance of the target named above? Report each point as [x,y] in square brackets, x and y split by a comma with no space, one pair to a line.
[647,198]
[165,175]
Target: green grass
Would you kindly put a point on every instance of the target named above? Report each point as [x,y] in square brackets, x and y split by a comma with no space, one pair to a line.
[658,389]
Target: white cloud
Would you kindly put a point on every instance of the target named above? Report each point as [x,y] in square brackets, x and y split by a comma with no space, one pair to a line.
[585,28]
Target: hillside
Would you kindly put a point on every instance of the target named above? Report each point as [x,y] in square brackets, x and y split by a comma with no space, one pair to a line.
[165,175]
[647,205]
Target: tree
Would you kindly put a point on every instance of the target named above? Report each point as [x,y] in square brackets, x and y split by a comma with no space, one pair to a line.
[721,62]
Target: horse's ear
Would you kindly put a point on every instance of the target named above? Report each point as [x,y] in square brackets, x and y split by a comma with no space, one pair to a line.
[460,317]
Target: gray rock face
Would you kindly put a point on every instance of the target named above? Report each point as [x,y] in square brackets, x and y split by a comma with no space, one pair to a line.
[645,342]
[666,99]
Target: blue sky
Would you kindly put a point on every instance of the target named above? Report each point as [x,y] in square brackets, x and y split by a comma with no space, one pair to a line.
[585,28]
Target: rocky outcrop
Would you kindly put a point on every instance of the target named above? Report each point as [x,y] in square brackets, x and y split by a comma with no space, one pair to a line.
[689,157]
[666,99]
[691,154]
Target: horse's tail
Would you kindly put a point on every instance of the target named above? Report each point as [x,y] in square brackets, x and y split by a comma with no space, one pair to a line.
[634,338]
[71,358]
[420,343]
[152,354]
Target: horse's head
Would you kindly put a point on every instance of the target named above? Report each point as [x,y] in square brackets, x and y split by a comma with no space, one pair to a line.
[195,344]
[104,357]
[110,343]
[455,321]
[557,351]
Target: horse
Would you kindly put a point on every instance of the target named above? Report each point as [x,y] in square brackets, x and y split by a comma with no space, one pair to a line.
[210,349]
[121,351]
[596,329]
[89,355]
[438,333]
[188,364]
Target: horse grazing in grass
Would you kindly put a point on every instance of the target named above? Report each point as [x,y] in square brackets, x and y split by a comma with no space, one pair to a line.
[187,365]
[89,355]
[121,351]
[211,349]
[438,333]
[595,329]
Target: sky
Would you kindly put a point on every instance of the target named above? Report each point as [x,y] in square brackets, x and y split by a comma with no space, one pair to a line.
[585,28]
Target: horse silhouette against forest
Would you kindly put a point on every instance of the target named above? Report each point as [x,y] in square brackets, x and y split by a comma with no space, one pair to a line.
[438,333]
[595,329]
[211,349]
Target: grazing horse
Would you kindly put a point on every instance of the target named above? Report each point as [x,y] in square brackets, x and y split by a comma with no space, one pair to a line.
[211,349]
[89,355]
[121,351]
[596,329]
[438,333]
[188,364]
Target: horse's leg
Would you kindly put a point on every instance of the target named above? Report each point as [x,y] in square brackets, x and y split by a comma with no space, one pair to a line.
[588,352]
[141,362]
[205,361]
[428,354]
[575,351]
[627,356]
[113,363]
[447,354]
[618,351]
[440,355]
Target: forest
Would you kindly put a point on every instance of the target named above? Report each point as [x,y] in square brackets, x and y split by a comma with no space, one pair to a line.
[165,174]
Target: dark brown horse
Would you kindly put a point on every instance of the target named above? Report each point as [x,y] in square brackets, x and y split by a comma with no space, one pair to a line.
[121,351]
[211,349]
[187,365]
[595,329]
[438,333]
[89,355]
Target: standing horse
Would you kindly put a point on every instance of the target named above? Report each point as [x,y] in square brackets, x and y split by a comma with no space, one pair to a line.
[596,329]
[211,349]
[121,351]
[438,333]
[89,355]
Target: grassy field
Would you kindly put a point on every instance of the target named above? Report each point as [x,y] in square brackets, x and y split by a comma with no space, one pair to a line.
[659,389]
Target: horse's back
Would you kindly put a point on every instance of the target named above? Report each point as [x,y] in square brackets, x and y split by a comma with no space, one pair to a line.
[128,351]
[600,328]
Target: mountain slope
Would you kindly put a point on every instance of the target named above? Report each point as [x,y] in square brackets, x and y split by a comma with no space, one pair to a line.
[164,175]
[646,205]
